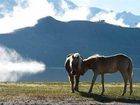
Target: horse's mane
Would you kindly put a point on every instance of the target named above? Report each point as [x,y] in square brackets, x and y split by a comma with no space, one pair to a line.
[74,54]
[70,54]
[93,56]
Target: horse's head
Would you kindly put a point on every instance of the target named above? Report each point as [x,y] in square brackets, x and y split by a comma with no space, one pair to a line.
[76,64]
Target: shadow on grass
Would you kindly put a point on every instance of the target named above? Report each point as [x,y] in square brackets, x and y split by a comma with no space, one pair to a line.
[107,99]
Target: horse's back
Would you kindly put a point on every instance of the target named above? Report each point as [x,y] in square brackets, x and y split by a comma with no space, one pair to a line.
[118,58]
[123,58]
[120,62]
[123,61]
[110,64]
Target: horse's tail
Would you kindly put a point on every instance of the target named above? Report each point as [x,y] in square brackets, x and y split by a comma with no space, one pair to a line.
[130,74]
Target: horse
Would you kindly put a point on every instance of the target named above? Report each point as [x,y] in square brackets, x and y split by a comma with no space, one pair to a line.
[101,65]
[72,65]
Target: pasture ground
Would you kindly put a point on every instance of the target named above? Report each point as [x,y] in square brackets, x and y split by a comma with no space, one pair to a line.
[59,93]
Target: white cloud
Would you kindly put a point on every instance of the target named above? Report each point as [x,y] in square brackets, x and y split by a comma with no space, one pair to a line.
[80,13]
[13,66]
[25,17]
[36,9]
[138,25]
[64,5]
[85,3]
[109,17]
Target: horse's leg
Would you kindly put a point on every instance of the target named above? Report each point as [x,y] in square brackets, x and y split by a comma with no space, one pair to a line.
[93,81]
[130,80]
[103,89]
[77,82]
[71,78]
[124,75]
[129,73]
[131,87]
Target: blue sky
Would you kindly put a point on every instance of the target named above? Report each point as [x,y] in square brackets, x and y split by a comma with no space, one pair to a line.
[115,5]
[16,14]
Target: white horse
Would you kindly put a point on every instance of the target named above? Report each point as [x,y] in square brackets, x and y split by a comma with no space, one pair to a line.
[73,65]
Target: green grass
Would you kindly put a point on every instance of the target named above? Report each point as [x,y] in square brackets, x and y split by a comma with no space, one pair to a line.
[62,90]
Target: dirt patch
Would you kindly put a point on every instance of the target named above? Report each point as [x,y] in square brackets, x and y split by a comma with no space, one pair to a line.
[68,101]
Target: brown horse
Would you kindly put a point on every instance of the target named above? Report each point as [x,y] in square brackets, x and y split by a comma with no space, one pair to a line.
[72,65]
[101,65]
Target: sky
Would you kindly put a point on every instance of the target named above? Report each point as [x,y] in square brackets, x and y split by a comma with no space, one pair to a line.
[115,5]
[16,14]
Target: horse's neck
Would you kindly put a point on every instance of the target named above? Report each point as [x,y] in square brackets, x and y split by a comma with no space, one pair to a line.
[88,63]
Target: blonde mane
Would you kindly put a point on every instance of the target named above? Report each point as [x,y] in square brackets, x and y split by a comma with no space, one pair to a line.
[93,56]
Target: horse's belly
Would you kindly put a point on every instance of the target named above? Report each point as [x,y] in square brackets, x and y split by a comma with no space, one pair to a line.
[107,69]
[112,71]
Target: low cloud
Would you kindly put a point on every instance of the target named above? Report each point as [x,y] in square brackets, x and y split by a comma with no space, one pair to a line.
[13,66]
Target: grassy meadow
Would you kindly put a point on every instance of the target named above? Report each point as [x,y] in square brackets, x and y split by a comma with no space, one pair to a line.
[24,91]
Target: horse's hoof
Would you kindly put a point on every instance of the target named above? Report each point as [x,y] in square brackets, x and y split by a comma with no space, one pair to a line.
[102,94]
[72,91]
[122,94]
[76,89]
[89,92]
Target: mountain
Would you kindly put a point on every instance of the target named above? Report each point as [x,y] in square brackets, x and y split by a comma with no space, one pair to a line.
[129,18]
[65,7]
[51,40]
